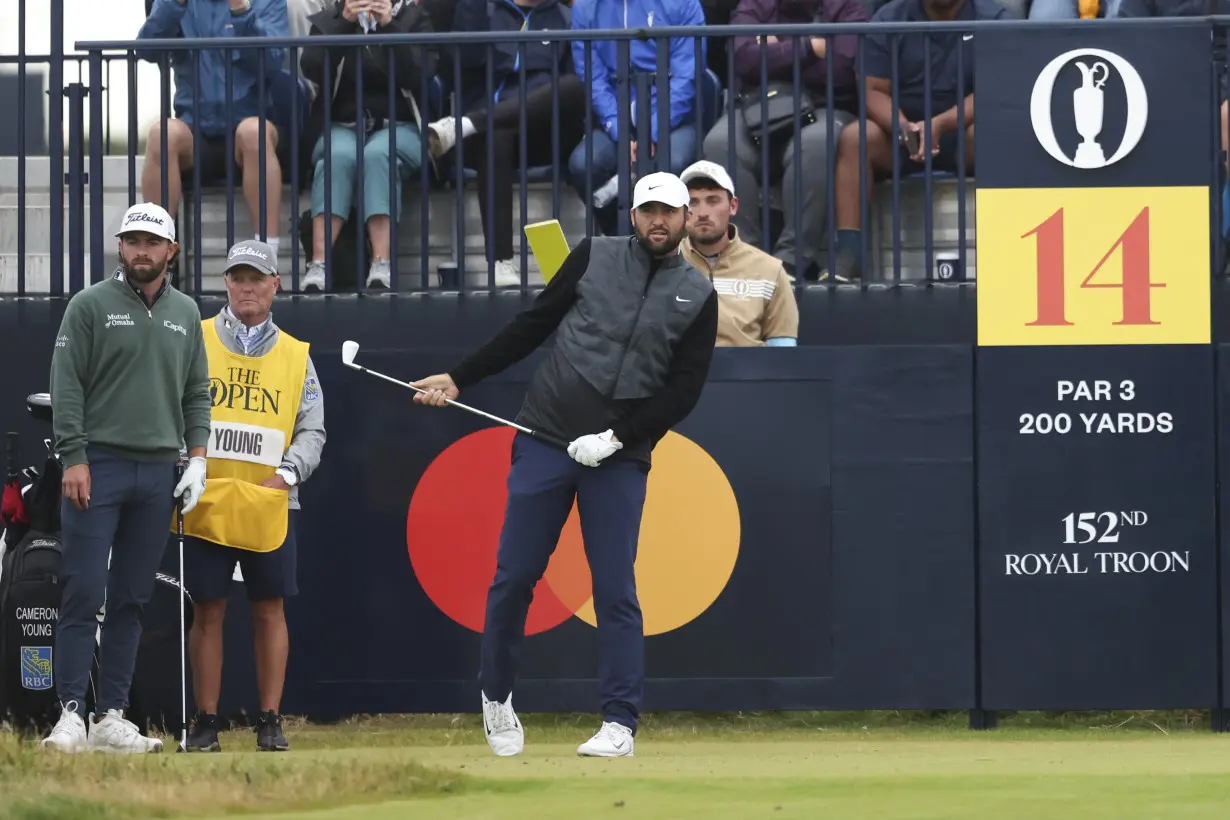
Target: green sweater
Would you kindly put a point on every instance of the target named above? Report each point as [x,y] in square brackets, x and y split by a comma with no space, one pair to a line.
[135,386]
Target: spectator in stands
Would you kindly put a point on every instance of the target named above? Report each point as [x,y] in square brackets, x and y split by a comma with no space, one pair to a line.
[504,108]
[756,305]
[410,62]
[912,56]
[805,221]
[204,119]
[1073,9]
[643,58]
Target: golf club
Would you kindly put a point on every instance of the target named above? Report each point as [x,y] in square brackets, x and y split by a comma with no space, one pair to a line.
[350,349]
[183,638]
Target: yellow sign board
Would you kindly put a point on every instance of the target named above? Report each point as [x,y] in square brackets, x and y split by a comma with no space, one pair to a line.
[548,245]
[1093,266]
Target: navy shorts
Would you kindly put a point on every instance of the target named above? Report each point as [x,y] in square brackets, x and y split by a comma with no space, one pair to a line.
[209,569]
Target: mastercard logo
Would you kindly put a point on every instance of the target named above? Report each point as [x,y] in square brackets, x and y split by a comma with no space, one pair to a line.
[689,537]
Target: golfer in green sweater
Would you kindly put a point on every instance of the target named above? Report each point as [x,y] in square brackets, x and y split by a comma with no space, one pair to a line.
[129,391]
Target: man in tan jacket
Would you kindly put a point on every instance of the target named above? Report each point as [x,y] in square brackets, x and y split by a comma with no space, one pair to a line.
[756,306]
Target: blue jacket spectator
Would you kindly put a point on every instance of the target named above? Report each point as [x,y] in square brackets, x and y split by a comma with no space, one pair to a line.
[506,15]
[201,123]
[597,181]
[211,18]
[643,56]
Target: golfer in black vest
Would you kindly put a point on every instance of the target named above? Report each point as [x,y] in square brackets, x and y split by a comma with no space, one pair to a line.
[636,325]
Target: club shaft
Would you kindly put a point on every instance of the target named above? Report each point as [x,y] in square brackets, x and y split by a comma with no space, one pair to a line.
[183,638]
[456,404]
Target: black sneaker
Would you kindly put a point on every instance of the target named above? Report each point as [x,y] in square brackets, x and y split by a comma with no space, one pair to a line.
[203,737]
[269,737]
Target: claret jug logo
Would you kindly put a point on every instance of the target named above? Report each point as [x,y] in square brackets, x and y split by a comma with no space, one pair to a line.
[1088,104]
[689,537]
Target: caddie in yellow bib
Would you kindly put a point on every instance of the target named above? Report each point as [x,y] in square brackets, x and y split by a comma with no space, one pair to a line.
[255,403]
[266,436]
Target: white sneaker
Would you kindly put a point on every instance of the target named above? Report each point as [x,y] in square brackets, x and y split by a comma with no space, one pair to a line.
[612,740]
[115,735]
[313,278]
[378,275]
[505,735]
[506,274]
[69,734]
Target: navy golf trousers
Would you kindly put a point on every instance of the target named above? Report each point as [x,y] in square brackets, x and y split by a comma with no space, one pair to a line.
[130,511]
[542,486]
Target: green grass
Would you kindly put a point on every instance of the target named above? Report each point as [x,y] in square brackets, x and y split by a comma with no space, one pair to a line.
[812,765]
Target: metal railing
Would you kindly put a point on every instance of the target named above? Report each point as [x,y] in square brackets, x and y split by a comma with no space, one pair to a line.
[440,93]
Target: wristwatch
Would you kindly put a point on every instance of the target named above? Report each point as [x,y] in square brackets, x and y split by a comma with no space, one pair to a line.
[289,474]
[247,6]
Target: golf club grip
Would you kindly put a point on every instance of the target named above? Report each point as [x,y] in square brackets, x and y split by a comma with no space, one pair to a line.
[547,438]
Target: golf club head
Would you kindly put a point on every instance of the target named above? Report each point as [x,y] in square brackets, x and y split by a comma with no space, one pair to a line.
[349,351]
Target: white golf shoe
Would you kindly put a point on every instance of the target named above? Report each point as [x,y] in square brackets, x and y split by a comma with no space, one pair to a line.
[612,740]
[504,733]
[112,734]
[69,733]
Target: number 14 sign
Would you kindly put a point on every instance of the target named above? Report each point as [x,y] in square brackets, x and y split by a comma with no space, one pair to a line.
[1093,266]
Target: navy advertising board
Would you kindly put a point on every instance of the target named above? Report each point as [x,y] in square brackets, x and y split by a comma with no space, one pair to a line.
[1095,374]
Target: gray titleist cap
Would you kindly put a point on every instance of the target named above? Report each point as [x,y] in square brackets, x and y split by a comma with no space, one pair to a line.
[254,254]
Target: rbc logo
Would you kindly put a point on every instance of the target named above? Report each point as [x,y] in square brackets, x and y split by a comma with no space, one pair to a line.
[36,668]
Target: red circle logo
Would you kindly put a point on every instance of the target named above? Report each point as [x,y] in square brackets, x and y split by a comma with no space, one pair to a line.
[689,538]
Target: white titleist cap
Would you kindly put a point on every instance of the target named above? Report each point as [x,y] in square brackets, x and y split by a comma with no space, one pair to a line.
[661,187]
[149,218]
[708,170]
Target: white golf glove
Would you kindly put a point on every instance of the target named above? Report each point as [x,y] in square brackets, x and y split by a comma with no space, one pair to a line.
[590,450]
[192,485]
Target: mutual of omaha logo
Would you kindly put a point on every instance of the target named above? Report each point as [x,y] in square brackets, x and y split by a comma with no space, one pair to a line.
[36,668]
[1087,105]
[119,320]
[246,442]
[1093,266]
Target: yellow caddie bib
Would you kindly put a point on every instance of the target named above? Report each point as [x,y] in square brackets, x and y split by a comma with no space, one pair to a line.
[255,403]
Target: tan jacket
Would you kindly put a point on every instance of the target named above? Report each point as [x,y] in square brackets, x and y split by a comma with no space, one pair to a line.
[755,296]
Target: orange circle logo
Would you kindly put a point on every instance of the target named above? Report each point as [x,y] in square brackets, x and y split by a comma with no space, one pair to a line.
[689,538]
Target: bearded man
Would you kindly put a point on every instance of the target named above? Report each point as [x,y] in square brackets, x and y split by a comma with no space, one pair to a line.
[636,330]
[129,394]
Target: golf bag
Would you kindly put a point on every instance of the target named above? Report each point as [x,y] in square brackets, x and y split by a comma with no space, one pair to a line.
[30,600]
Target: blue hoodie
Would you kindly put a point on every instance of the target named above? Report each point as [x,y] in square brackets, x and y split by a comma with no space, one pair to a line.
[643,56]
[213,18]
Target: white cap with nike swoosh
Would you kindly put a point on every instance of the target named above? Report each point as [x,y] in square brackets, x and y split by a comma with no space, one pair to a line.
[661,187]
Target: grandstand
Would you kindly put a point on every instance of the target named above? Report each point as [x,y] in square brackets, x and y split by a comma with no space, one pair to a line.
[899,239]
